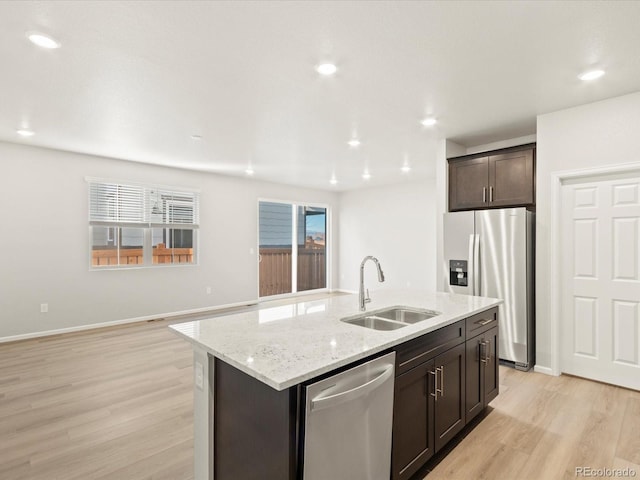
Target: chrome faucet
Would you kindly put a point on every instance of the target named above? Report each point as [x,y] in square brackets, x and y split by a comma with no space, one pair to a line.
[361,296]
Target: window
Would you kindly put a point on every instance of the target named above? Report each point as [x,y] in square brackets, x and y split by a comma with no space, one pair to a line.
[292,248]
[141,225]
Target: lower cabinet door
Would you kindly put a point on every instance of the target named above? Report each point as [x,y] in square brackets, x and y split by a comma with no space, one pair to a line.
[491,378]
[475,377]
[449,406]
[413,429]
[482,382]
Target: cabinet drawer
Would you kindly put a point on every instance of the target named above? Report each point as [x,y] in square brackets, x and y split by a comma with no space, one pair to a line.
[419,350]
[481,322]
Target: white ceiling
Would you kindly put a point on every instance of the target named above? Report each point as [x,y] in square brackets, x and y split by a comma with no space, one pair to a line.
[134,80]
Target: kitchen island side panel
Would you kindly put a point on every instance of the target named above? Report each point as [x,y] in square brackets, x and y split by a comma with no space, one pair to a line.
[255,429]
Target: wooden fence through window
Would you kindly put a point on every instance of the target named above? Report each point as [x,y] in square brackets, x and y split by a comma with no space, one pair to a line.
[134,256]
[275,270]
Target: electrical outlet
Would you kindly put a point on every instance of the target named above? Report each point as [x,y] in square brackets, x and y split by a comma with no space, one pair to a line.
[208,290]
[251,251]
[44,308]
[199,375]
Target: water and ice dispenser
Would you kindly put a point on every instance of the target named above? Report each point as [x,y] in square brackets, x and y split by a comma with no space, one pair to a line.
[458,273]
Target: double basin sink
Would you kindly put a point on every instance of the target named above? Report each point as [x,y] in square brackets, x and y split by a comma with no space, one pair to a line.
[390,318]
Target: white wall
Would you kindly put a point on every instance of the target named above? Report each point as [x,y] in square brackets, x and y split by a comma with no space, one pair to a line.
[394,223]
[446,149]
[45,243]
[593,135]
[511,142]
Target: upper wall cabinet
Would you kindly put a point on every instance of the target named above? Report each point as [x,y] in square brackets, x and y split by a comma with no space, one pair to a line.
[502,178]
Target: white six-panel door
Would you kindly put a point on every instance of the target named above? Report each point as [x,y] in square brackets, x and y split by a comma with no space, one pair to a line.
[600,321]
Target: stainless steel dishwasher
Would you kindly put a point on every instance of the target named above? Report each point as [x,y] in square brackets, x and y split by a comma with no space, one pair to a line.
[348,419]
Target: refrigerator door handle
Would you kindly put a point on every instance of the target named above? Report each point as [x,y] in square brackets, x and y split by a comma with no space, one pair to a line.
[471,273]
[476,264]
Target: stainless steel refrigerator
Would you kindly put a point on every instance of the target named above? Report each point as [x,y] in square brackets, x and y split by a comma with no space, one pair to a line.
[490,253]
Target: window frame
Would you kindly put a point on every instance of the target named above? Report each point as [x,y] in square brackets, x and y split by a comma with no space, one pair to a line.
[149,201]
[294,248]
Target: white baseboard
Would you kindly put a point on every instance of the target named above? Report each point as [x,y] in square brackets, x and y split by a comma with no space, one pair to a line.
[79,328]
[545,370]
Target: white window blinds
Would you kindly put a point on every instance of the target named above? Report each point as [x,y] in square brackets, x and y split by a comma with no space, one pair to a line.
[112,203]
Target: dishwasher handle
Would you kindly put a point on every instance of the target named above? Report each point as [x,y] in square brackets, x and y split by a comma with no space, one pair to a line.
[320,402]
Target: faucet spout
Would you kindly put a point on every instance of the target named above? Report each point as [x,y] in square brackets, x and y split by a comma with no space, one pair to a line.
[380,273]
[362,299]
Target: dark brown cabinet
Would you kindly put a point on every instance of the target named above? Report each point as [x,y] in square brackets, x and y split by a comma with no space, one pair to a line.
[503,178]
[253,421]
[413,429]
[468,183]
[449,405]
[429,399]
[491,376]
[443,380]
[481,362]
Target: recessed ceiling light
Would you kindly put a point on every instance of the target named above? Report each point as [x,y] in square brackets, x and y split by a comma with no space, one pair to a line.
[405,169]
[354,142]
[333,181]
[326,69]
[196,137]
[23,132]
[429,122]
[249,171]
[366,175]
[591,75]
[42,40]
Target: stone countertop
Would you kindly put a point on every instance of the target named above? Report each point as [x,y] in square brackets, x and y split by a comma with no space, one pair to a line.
[286,345]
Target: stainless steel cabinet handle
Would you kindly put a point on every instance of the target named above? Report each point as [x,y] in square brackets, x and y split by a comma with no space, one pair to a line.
[490,194]
[442,381]
[331,400]
[483,354]
[484,194]
[488,357]
[435,383]
[484,321]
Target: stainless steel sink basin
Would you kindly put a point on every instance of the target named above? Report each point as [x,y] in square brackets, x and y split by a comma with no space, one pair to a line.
[390,318]
[373,322]
[407,315]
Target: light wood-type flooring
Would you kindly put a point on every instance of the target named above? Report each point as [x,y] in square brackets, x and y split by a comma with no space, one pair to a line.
[116,403]
[542,428]
[112,403]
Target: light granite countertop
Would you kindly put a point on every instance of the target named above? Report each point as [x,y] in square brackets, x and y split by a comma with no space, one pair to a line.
[285,345]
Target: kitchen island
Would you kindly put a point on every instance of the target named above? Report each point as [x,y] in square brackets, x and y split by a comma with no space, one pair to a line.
[274,350]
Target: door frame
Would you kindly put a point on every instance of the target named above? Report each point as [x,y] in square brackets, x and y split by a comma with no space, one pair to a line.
[328,248]
[558,180]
